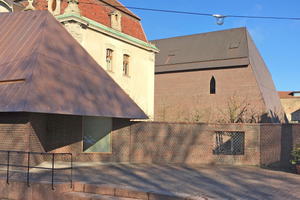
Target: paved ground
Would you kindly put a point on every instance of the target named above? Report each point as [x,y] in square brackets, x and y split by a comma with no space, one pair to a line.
[214,181]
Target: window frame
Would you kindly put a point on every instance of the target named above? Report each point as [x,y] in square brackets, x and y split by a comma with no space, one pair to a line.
[111,136]
[236,140]
[109,55]
[126,58]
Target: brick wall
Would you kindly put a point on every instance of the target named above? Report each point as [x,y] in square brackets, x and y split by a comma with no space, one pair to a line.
[64,135]
[155,142]
[17,134]
[185,95]
[148,142]
[277,142]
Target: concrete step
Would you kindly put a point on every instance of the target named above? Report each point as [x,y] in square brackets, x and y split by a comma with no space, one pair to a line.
[132,192]
[90,196]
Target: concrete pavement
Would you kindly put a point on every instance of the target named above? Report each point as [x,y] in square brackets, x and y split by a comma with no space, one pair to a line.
[211,181]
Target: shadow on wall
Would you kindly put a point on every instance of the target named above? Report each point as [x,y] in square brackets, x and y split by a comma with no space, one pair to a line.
[278,146]
[62,130]
[286,146]
[273,117]
[296,116]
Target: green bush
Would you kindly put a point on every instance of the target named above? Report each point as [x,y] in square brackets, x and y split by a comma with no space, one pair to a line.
[296,154]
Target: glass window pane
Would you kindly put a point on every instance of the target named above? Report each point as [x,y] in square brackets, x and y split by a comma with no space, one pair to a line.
[97,134]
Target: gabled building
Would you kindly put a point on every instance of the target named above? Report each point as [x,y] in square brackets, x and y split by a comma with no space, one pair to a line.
[114,37]
[53,92]
[216,76]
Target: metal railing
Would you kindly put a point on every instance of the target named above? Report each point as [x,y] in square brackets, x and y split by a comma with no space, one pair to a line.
[26,162]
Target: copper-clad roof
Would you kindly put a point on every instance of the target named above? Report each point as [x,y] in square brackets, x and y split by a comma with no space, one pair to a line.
[44,69]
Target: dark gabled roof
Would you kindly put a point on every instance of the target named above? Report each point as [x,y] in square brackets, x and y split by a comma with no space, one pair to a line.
[44,69]
[228,48]
[220,49]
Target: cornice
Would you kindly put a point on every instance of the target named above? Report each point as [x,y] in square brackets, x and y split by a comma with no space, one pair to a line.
[108,31]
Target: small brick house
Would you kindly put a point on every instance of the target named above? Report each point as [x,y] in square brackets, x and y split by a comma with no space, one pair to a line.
[54,97]
[203,77]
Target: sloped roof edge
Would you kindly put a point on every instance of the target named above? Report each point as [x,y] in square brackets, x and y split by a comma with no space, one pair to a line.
[265,83]
[46,72]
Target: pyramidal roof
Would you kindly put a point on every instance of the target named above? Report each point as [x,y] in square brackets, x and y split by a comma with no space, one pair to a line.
[44,69]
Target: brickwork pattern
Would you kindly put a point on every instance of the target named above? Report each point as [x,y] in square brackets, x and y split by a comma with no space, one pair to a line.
[65,136]
[147,142]
[277,142]
[155,142]
[34,145]
[270,145]
[296,134]
[13,138]
[183,95]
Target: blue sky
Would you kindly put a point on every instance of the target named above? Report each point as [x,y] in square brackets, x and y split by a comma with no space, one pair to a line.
[277,40]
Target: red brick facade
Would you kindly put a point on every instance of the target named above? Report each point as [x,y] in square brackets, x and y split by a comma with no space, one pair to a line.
[180,96]
[155,142]
[99,12]
[149,142]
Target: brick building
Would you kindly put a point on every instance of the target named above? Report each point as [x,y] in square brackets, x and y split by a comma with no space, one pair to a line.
[216,76]
[49,81]
[291,105]
[113,36]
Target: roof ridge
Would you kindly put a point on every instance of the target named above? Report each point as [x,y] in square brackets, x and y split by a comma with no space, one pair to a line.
[199,34]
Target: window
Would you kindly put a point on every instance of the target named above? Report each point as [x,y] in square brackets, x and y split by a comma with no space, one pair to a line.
[96,136]
[126,64]
[229,143]
[109,59]
[53,5]
[115,20]
[212,85]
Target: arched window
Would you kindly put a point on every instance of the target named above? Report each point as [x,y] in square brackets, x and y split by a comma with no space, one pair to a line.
[212,85]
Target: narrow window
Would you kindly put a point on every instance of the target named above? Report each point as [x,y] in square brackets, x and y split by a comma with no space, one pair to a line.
[109,57]
[53,6]
[116,18]
[212,85]
[126,64]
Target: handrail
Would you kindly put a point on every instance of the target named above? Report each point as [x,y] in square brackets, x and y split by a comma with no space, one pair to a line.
[29,167]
